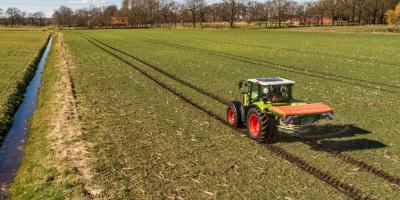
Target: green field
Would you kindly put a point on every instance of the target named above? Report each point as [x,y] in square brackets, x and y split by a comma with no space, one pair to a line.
[18,52]
[147,142]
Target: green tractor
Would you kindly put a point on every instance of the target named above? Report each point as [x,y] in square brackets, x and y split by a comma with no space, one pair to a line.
[267,106]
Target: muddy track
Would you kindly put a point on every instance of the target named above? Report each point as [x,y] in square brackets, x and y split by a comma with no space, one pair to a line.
[345,188]
[314,53]
[306,140]
[306,72]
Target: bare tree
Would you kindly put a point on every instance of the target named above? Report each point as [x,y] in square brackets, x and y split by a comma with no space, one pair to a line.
[331,7]
[231,7]
[39,16]
[268,10]
[31,18]
[64,16]
[194,8]
[201,5]
[165,11]
[125,7]
[279,7]
[251,11]
[184,14]
[292,10]
[81,17]
[13,14]
[175,10]
[95,17]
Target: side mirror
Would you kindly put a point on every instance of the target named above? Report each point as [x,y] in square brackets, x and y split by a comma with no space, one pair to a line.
[241,84]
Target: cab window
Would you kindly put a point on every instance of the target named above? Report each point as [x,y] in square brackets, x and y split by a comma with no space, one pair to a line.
[281,93]
[254,92]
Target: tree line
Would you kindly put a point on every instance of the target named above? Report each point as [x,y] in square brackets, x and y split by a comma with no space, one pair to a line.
[14,16]
[200,13]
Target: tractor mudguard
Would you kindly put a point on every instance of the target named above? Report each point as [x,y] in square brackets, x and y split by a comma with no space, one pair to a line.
[243,113]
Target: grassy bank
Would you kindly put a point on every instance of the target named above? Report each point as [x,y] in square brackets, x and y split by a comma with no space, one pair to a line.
[44,174]
[36,174]
[20,53]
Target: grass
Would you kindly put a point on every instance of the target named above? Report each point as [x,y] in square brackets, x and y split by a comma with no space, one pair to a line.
[47,170]
[19,54]
[35,177]
[363,107]
[352,29]
[147,143]
[151,145]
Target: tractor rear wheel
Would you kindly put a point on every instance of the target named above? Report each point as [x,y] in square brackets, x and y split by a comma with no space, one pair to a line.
[258,125]
[234,114]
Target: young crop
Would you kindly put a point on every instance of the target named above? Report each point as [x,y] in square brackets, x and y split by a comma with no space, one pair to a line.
[151,103]
[353,103]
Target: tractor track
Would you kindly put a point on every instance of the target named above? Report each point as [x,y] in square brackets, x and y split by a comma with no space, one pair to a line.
[296,70]
[345,188]
[325,54]
[172,76]
[306,140]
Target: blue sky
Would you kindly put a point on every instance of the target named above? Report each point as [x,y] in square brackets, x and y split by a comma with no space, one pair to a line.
[48,6]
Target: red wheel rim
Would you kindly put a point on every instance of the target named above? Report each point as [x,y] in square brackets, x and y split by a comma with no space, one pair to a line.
[254,125]
[231,118]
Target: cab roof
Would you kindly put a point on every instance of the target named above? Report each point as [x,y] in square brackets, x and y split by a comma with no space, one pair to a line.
[271,81]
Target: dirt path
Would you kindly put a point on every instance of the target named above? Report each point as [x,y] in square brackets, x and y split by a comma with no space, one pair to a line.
[68,144]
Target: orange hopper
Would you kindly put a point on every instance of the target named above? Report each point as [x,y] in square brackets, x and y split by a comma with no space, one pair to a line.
[302,109]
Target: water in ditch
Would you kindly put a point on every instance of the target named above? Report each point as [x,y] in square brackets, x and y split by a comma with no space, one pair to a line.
[11,149]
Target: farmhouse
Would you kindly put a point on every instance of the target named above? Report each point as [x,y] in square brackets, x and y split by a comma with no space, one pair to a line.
[119,21]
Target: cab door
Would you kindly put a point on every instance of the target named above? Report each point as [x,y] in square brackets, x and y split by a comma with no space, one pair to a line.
[245,91]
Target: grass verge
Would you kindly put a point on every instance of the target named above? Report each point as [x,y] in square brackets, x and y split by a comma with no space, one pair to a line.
[15,98]
[49,169]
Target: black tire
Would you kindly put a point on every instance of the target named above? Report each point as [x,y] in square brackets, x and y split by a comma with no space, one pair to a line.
[264,124]
[234,114]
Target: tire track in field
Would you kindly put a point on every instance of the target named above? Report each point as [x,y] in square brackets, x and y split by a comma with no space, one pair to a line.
[299,68]
[306,140]
[172,76]
[361,59]
[296,70]
[345,188]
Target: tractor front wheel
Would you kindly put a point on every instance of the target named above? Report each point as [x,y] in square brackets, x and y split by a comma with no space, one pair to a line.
[234,113]
[258,125]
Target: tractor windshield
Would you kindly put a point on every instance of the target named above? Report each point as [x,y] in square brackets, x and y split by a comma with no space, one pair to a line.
[277,93]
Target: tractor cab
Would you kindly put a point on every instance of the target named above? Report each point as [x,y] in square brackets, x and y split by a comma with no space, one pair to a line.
[267,106]
[271,91]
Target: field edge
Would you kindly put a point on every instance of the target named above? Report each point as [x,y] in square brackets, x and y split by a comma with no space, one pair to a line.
[48,170]
[15,99]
